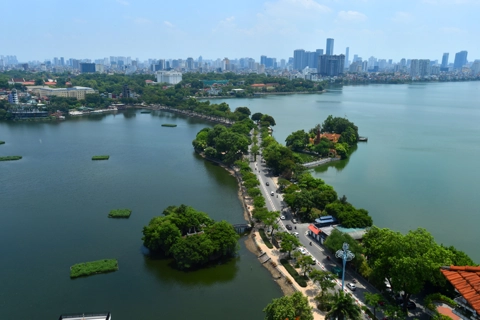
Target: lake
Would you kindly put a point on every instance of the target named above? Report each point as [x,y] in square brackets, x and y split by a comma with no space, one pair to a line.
[53,214]
[419,167]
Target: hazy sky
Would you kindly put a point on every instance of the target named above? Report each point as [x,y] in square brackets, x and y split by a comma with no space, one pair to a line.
[389,29]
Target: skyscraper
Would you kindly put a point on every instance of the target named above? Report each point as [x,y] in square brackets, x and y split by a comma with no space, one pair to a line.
[190,64]
[299,59]
[330,65]
[445,60]
[87,67]
[460,60]
[346,57]
[329,50]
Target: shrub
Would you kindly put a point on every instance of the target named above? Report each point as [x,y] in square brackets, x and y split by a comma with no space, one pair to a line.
[120,213]
[438,297]
[265,239]
[301,280]
[93,267]
[104,157]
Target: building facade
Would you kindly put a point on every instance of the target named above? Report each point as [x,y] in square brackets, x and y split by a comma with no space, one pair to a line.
[329,50]
[331,65]
[460,60]
[87,67]
[13,97]
[75,92]
[169,77]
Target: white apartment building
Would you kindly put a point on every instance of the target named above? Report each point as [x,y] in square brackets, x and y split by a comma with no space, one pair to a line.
[170,77]
[75,92]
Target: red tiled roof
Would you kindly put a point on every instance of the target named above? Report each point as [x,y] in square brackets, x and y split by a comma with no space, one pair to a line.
[314,229]
[257,85]
[467,281]
[28,83]
[331,136]
[50,83]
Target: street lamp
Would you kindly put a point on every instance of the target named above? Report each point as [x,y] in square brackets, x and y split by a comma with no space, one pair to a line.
[346,255]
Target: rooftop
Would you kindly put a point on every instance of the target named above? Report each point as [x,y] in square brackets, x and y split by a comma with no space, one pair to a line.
[466,281]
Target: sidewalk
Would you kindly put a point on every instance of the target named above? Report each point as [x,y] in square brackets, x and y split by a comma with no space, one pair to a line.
[310,291]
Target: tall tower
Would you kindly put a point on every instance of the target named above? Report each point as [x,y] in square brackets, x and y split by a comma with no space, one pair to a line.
[329,50]
[346,57]
[460,60]
[299,59]
[445,60]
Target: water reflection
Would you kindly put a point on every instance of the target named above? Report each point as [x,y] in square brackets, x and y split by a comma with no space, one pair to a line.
[339,165]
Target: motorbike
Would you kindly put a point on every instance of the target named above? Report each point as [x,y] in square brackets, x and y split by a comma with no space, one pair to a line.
[328,257]
[310,242]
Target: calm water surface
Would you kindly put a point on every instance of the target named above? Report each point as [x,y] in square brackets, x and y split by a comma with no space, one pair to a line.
[420,165]
[53,214]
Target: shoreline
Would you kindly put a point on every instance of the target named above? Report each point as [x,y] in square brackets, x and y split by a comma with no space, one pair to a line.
[250,243]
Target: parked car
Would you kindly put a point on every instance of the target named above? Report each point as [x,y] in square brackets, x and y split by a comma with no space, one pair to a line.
[302,250]
[282,217]
[267,183]
[314,261]
[351,286]
[296,234]
[294,220]
[272,193]
[289,227]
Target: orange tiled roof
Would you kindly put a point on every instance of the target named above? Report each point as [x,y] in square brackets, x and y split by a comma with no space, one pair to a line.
[314,229]
[331,136]
[257,85]
[467,281]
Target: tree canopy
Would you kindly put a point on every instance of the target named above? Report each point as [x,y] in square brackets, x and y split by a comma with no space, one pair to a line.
[289,307]
[190,237]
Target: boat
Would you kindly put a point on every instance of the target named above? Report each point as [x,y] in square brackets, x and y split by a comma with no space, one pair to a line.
[362,139]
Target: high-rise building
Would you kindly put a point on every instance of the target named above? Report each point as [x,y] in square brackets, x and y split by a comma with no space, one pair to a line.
[329,51]
[189,64]
[62,61]
[263,60]
[299,59]
[13,97]
[424,67]
[331,65]
[460,60]
[347,51]
[87,67]
[475,67]
[169,77]
[445,60]
[414,67]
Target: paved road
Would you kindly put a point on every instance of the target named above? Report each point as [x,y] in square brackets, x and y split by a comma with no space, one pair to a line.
[275,203]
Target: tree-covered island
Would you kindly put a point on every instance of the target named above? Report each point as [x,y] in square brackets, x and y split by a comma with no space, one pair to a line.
[190,237]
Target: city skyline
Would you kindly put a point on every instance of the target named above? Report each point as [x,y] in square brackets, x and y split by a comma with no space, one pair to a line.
[409,29]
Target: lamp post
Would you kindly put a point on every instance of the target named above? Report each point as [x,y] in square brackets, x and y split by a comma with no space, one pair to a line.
[346,255]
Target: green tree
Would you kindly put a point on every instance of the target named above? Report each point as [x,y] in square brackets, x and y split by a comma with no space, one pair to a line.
[289,307]
[324,280]
[269,119]
[254,150]
[306,263]
[297,140]
[257,116]
[343,307]
[373,300]
[259,201]
[289,242]
[335,242]
[407,261]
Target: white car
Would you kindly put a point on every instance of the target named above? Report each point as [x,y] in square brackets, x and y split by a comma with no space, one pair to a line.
[314,261]
[296,234]
[282,217]
[351,286]
[302,250]
[272,193]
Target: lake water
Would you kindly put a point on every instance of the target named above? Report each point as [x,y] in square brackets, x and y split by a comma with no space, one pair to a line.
[53,213]
[419,167]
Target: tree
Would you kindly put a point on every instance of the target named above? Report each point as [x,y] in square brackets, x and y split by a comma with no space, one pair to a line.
[297,140]
[335,241]
[257,116]
[373,299]
[306,263]
[289,307]
[259,201]
[343,307]
[269,119]
[324,280]
[289,242]
[408,261]
[254,150]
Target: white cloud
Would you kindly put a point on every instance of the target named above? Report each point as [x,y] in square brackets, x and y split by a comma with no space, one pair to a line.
[402,17]
[225,25]
[168,24]
[351,16]
[123,2]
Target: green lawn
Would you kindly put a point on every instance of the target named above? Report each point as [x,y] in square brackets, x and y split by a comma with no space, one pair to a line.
[93,267]
[120,213]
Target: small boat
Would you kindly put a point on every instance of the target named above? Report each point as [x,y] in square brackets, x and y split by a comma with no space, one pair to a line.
[363,139]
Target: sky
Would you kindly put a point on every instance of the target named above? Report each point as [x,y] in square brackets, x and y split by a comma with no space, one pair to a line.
[385,29]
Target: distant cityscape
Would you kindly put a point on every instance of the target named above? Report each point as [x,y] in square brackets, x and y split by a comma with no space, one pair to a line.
[317,65]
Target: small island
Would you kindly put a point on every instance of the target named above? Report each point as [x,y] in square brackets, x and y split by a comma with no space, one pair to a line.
[169,125]
[104,157]
[190,237]
[120,213]
[93,267]
[10,158]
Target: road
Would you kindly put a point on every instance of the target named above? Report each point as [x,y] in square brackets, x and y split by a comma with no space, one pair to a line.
[275,203]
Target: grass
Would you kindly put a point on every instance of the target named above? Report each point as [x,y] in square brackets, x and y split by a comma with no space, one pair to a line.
[2,142]
[94,267]
[10,158]
[265,239]
[101,157]
[169,125]
[301,280]
[120,213]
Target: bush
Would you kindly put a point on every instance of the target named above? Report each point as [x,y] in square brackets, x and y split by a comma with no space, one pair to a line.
[438,297]
[301,280]
[10,158]
[93,267]
[120,213]
[265,239]
[104,157]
